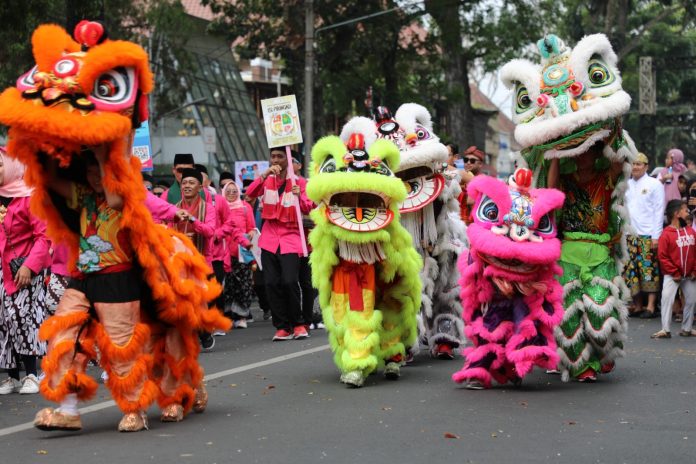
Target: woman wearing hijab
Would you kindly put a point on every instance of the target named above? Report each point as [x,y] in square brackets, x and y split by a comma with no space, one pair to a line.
[24,256]
[669,176]
[238,280]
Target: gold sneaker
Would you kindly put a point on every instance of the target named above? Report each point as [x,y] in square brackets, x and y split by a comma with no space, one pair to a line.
[200,402]
[133,422]
[172,413]
[50,419]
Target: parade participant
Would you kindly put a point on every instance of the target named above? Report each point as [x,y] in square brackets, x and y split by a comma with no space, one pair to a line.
[75,112]
[677,253]
[512,301]
[473,162]
[280,243]
[568,115]
[24,257]
[199,225]
[181,161]
[645,203]
[363,261]
[238,289]
[430,214]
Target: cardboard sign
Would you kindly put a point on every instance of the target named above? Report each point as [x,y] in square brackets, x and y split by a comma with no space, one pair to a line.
[281,119]
[142,147]
[245,172]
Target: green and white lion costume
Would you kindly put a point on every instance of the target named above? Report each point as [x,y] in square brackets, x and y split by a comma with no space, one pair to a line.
[363,260]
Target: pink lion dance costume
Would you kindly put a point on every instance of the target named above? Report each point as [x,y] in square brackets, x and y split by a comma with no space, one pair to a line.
[511,300]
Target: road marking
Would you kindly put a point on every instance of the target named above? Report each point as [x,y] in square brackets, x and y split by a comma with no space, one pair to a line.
[107,404]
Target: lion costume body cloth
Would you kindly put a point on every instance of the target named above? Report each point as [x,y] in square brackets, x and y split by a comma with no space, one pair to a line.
[82,95]
[568,114]
[363,262]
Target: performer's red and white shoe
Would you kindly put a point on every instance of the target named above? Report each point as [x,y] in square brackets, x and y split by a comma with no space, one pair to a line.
[444,351]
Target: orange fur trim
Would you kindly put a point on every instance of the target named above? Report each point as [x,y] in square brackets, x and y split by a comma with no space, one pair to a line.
[95,129]
[59,323]
[127,352]
[148,395]
[112,54]
[84,386]
[183,395]
[49,42]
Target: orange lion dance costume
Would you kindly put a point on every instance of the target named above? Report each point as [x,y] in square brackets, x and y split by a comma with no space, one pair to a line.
[82,94]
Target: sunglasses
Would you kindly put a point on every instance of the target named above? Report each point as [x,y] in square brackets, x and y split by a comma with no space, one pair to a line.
[471,160]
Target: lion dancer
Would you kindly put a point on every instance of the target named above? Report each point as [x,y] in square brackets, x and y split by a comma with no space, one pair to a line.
[363,262]
[512,302]
[430,213]
[568,115]
[140,293]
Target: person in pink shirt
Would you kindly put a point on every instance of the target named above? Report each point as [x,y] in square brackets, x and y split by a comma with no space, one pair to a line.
[238,290]
[216,251]
[198,225]
[280,243]
[24,257]
[670,174]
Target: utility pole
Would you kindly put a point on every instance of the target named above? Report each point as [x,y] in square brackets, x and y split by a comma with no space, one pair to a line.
[309,83]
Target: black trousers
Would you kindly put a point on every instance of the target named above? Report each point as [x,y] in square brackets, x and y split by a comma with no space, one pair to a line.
[281,274]
[308,292]
[219,271]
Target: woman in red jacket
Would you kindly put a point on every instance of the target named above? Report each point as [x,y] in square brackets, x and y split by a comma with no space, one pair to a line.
[676,252]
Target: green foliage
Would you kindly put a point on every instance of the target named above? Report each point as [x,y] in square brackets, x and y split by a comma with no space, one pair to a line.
[165,20]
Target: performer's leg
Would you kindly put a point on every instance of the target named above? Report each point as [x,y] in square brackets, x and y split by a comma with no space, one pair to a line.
[123,342]
[70,346]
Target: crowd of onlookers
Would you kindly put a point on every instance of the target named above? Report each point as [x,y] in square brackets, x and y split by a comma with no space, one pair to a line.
[662,245]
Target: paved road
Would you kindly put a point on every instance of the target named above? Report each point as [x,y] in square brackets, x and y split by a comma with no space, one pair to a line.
[282,402]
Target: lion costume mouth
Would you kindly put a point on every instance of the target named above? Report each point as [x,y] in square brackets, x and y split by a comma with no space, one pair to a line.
[514,265]
[359,211]
[423,187]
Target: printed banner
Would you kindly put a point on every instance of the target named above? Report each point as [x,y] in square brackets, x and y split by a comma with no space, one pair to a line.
[281,119]
[246,171]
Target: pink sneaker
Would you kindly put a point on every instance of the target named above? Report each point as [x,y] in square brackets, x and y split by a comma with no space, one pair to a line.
[300,332]
[282,334]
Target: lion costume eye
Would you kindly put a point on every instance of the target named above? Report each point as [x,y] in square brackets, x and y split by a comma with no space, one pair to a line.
[599,74]
[422,133]
[487,211]
[545,225]
[328,166]
[524,102]
[114,86]
[26,80]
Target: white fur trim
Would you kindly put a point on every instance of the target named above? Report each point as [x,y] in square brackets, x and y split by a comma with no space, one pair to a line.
[410,114]
[595,44]
[360,125]
[540,131]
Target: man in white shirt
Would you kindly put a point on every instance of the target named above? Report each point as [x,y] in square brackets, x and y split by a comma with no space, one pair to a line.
[645,200]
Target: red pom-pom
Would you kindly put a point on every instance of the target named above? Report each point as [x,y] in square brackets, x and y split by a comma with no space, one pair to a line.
[523,178]
[356,142]
[88,33]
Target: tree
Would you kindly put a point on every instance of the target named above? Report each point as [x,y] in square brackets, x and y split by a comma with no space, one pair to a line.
[164,21]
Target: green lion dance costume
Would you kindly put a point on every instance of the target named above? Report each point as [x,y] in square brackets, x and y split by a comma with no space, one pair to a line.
[363,260]
[568,115]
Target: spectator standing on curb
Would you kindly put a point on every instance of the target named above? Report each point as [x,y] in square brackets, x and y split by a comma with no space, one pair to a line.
[670,174]
[24,257]
[280,244]
[644,201]
[677,253]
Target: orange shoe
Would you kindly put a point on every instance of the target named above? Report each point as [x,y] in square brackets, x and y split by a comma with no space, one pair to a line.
[200,402]
[133,422]
[172,413]
[50,419]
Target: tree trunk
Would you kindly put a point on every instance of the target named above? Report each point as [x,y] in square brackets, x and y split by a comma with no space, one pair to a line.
[460,121]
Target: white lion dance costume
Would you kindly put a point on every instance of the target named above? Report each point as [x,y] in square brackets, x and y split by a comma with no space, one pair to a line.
[431,215]
[568,115]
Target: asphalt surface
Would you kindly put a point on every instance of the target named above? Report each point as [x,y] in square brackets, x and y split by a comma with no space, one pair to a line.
[282,403]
